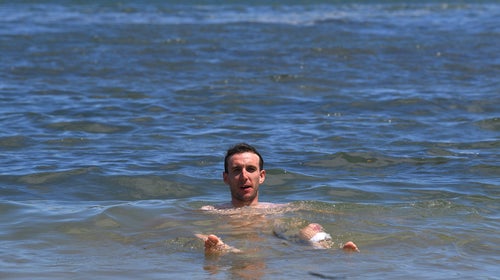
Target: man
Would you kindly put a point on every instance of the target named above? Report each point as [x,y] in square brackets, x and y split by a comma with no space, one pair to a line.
[244,173]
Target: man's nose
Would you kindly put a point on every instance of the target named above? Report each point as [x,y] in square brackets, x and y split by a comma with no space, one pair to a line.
[244,173]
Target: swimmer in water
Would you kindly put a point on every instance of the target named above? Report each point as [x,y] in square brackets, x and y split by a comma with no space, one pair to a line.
[244,173]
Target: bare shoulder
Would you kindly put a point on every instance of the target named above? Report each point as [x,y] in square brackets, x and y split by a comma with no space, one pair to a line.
[268,205]
[217,207]
[229,207]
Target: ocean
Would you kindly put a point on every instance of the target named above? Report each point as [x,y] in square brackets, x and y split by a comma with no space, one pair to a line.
[379,120]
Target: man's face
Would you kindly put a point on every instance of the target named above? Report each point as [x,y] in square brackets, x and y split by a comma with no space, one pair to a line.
[243,178]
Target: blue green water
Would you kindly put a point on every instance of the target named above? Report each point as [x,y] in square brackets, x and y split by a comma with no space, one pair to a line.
[378,119]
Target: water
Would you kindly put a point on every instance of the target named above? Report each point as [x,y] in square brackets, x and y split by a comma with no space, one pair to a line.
[378,119]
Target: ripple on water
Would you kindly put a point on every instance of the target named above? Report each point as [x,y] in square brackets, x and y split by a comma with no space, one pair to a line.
[91,184]
[15,142]
[371,159]
[89,127]
[148,187]
[489,124]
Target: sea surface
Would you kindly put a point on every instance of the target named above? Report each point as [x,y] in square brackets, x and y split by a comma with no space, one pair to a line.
[379,120]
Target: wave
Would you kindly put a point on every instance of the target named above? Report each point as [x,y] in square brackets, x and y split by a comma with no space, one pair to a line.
[89,127]
[89,184]
[45,16]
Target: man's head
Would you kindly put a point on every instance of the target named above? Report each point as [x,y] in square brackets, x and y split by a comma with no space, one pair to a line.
[243,173]
[239,149]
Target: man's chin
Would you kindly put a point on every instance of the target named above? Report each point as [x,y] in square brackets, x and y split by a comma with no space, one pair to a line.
[248,198]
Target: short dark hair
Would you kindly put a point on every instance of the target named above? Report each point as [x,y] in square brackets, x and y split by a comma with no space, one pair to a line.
[239,149]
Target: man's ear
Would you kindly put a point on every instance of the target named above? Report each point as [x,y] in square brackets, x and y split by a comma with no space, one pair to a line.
[224,177]
[262,176]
